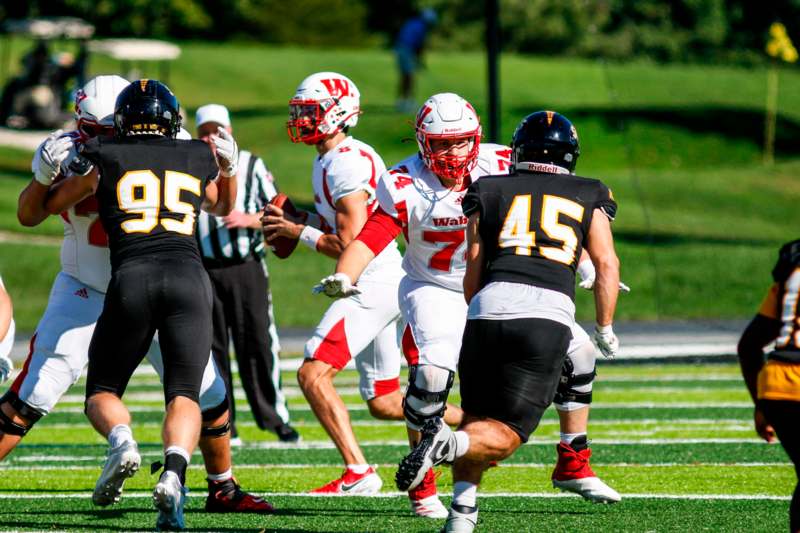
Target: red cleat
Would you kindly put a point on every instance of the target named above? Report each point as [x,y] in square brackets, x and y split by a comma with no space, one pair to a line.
[228,497]
[573,474]
[351,483]
[424,500]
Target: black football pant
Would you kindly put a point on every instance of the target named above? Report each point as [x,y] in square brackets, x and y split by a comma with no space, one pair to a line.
[145,295]
[509,369]
[785,419]
[241,314]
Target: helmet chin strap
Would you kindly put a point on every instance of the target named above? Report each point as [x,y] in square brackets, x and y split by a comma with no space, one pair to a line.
[547,168]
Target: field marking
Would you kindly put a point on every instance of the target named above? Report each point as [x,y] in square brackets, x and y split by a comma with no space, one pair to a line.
[729,423]
[545,495]
[296,466]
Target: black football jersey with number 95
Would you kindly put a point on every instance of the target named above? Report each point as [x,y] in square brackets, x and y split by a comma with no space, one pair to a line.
[534,225]
[149,193]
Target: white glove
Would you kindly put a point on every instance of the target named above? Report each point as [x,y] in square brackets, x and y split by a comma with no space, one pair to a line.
[6,366]
[607,341]
[587,273]
[227,153]
[336,286]
[49,155]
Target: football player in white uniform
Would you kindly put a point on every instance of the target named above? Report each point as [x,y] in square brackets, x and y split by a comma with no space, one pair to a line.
[411,192]
[6,333]
[421,197]
[365,326]
[59,347]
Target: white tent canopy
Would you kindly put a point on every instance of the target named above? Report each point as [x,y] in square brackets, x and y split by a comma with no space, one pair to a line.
[136,49]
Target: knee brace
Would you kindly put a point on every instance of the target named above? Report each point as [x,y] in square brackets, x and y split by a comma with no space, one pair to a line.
[25,411]
[575,384]
[426,396]
[209,415]
[216,431]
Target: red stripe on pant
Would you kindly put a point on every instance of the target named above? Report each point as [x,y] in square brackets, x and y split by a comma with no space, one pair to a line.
[334,349]
[410,350]
[386,386]
[18,382]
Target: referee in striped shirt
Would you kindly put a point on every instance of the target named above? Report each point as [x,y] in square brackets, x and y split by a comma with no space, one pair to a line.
[233,249]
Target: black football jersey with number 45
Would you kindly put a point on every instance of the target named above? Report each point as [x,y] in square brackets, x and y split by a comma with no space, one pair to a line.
[534,225]
[149,193]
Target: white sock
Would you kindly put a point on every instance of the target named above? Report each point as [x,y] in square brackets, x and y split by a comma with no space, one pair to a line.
[567,438]
[462,443]
[225,476]
[180,451]
[358,469]
[119,434]
[465,493]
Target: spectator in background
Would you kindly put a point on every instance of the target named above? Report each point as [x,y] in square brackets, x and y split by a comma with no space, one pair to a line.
[233,249]
[6,333]
[408,47]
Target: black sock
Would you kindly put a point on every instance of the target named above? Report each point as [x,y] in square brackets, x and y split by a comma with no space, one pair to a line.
[174,462]
[580,443]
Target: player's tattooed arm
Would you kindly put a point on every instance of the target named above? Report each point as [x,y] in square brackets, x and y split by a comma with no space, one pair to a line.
[475,258]
[68,192]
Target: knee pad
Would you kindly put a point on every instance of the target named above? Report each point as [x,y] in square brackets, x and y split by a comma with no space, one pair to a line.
[25,411]
[577,375]
[426,396]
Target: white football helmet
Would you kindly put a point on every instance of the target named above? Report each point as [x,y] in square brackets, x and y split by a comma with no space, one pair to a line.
[448,116]
[324,104]
[94,105]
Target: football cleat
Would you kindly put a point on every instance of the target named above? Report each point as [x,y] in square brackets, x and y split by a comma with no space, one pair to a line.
[351,483]
[573,474]
[460,519]
[122,462]
[424,500]
[168,497]
[227,497]
[436,446]
[287,433]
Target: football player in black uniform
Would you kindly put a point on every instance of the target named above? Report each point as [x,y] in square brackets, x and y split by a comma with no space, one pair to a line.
[150,187]
[524,237]
[774,385]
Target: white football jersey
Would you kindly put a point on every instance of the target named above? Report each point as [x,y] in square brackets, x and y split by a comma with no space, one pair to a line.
[84,251]
[430,213]
[350,167]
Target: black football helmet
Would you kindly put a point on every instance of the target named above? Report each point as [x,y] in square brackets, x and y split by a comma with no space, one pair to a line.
[546,137]
[147,107]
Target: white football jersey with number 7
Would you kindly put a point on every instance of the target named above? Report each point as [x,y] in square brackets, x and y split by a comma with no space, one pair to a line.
[431,217]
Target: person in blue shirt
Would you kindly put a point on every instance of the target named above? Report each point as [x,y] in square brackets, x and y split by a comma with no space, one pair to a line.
[408,47]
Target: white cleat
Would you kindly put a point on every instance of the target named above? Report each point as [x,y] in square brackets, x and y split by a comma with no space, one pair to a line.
[463,520]
[591,488]
[122,462]
[168,497]
[430,507]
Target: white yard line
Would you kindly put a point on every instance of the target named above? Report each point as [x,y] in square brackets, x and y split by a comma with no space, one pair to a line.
[75,495]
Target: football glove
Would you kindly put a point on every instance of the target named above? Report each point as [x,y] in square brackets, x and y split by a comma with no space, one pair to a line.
[588,274]
[227,153]
[336,286]
[607,341]
[49,155]
[6,366]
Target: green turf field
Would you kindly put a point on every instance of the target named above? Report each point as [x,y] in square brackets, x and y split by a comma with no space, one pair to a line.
[700,216]
[675,440]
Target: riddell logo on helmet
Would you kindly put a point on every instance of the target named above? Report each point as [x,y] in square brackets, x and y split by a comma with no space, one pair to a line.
[337,87]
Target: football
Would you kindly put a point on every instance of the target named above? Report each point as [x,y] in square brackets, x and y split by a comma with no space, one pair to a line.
[283,247]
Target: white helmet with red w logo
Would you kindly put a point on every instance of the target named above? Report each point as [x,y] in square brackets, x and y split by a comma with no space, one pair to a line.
[324,104]
[94,105]
[448,116]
